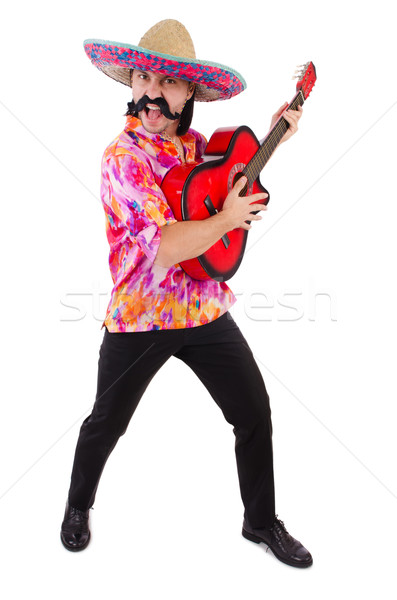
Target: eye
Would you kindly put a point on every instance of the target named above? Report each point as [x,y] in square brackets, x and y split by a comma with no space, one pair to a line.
[170,80]
[142,76]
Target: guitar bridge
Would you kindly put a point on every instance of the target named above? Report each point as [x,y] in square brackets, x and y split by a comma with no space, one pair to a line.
[213,211]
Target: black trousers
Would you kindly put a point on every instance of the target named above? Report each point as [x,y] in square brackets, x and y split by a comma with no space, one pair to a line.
[219,355]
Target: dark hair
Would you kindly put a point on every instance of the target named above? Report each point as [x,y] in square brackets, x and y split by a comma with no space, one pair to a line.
[186,116]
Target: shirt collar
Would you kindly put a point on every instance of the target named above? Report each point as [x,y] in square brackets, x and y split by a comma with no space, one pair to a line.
[188,140]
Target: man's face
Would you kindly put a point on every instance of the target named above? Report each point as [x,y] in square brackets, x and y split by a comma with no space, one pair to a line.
[174,91]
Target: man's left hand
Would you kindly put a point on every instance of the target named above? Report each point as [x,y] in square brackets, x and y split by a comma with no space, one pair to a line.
[291,116]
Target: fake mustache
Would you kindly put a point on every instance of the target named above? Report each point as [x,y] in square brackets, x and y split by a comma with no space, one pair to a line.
[160,102]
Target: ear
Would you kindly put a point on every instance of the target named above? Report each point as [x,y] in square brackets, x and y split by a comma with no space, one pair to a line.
[190,90]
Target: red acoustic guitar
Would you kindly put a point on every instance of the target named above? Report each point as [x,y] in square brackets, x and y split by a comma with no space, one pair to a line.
[197,191]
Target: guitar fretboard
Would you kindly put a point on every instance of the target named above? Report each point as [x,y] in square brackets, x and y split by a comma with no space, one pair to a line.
[270,143]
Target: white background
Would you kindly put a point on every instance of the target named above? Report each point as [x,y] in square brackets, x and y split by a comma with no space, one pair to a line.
[316,296]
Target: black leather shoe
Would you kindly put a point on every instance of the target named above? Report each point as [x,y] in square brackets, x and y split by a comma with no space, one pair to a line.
[75,532]
[281,543]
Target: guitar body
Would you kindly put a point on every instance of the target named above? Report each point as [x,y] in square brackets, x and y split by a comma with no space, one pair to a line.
[196,191]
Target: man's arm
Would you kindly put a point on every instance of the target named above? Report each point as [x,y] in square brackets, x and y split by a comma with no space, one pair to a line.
[188,239]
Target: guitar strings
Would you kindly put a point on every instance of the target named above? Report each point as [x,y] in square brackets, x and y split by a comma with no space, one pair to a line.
[256,164]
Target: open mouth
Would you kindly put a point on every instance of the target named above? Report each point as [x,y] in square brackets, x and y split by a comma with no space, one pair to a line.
[152,112]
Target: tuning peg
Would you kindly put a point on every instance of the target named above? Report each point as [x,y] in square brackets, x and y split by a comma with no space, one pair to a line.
[297,75]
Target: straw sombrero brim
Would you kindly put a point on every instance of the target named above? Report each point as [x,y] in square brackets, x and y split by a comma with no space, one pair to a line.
[214,81]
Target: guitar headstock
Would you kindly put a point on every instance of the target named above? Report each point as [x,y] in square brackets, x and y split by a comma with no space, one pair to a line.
[306,76]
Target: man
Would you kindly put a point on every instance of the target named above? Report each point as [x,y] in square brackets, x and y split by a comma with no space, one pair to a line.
[156,310]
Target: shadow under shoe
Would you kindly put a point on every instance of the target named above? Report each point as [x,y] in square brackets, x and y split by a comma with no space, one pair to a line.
[75,531]
[286,548]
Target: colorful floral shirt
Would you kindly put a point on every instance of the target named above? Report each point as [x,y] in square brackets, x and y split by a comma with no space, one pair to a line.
[145,295]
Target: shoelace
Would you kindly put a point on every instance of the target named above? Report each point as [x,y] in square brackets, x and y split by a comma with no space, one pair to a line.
[281,532]
[75,512]
[279,525]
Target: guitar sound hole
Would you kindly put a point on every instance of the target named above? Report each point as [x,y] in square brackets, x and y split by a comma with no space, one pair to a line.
[245,188]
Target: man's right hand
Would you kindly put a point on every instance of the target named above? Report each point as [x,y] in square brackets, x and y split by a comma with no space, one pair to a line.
[188,239]
[238,209]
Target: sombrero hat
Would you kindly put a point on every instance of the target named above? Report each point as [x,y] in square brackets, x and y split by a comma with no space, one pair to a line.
[166,48]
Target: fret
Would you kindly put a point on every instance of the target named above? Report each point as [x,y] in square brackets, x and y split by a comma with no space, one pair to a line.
[272,140]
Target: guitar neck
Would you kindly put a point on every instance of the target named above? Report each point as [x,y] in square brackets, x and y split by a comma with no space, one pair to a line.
[270,143]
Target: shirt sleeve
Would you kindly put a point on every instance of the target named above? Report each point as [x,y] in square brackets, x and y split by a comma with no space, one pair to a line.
[201,144]
[136,209]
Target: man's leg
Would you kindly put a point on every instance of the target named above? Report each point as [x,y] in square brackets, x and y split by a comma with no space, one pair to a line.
[127,363]
[219,355]
[221,358]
